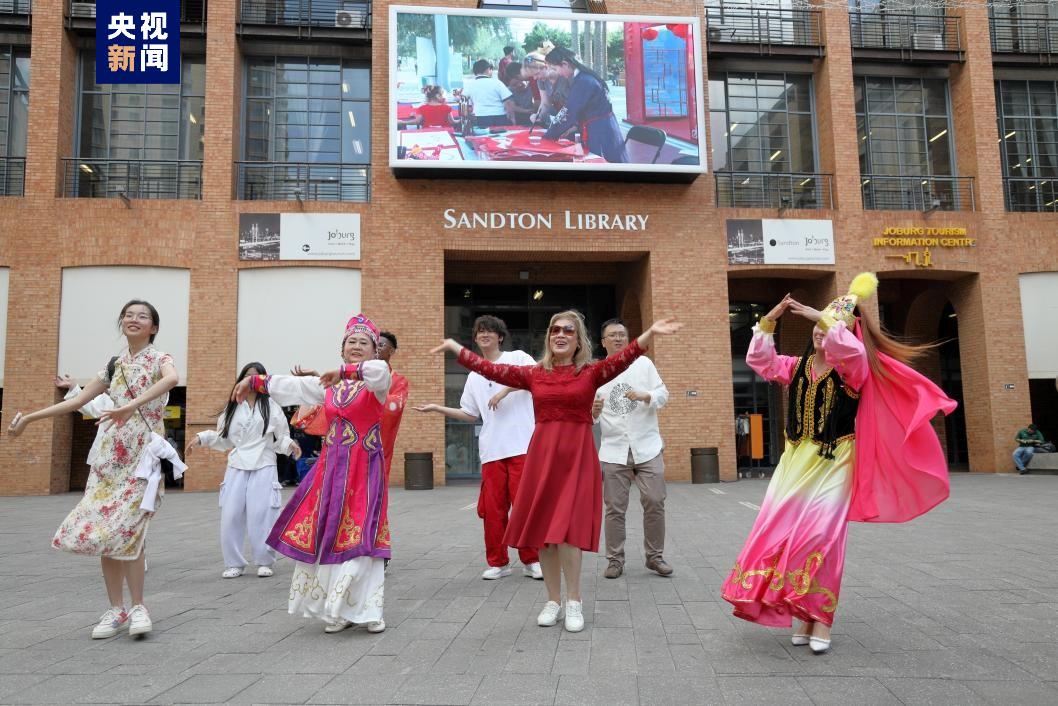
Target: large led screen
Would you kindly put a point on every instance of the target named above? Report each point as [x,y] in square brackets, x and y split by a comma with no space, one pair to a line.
[485,89]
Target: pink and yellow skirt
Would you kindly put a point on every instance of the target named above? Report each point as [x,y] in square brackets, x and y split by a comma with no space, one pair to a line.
[791,564]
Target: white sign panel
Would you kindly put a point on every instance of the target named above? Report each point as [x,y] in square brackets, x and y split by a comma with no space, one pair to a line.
[780,241]
[299,236]
[1039,311]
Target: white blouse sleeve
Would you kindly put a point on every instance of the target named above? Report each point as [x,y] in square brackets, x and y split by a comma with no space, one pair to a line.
[289,390]
[377,378]
[215,439]
[277,422]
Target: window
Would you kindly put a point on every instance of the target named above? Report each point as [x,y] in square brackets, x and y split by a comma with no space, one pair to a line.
[762,122]
[1028,138]
[907,156]
[159,122]
[14,119]
[763,140]
[306,118]
[139,140]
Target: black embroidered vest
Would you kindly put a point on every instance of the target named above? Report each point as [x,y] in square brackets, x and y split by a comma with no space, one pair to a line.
[821,410]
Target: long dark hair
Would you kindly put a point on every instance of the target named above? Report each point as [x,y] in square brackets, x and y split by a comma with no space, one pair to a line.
[262,400]
[559,54]
[155,318]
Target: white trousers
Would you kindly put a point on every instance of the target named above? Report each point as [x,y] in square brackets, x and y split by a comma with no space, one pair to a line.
[249,503]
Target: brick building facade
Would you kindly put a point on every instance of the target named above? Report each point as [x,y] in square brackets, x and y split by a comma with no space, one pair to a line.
[677,266]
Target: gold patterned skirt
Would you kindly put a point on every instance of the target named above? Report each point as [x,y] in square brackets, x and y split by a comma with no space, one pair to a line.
[791,564]
[352,590]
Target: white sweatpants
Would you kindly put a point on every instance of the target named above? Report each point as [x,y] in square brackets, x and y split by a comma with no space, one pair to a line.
[249,502]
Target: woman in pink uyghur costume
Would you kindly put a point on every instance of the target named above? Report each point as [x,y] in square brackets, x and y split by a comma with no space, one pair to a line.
[335,526]
[859,447]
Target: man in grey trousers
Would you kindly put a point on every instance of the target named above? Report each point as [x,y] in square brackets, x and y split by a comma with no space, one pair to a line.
[631,450]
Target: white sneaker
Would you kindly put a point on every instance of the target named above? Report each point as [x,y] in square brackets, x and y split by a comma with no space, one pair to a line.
[376,626]
[549,615]
[337,626]
[533,571]
[232,572]
[574,616]
[112,622]
[265,572]
[139,620]
[495,572]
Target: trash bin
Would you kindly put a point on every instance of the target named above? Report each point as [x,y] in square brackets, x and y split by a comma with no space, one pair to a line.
[705,465]
[418,470]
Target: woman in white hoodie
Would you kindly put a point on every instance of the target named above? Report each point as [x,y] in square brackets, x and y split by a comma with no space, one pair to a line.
[252,431]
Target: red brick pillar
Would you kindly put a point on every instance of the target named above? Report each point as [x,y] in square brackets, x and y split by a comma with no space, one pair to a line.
[836,111]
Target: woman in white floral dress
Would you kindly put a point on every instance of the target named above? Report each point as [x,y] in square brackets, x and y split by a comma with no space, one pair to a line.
[108,522]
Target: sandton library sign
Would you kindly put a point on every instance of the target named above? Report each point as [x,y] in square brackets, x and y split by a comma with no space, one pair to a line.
[537,220]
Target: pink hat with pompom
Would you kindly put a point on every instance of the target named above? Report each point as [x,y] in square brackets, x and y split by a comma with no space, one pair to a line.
[361,324]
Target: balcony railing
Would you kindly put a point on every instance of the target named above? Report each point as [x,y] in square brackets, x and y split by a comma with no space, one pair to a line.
[906,32]
[16,7]
[763,26]
[337,14]
[132,178]
[773,190]
[191,11]
[1034,195]
[1024,35]
[12,176]
[288,181]
[917,193]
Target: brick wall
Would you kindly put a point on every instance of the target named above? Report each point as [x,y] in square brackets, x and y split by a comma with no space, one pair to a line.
[677,267]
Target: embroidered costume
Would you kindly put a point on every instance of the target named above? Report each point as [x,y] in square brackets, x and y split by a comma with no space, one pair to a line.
[560,493]
[857,449]
[589,108]
[335,526]
[110,519]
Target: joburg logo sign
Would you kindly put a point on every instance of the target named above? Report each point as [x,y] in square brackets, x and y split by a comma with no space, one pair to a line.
[137,41]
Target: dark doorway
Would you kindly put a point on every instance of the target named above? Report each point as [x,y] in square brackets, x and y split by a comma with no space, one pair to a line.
[527,309]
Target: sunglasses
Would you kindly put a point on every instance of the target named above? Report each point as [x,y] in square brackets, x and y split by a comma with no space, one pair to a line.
[568,329]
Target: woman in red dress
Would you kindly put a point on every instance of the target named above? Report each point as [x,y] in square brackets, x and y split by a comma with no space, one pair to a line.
[559,503]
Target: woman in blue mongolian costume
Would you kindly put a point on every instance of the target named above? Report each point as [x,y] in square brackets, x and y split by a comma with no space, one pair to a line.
[335,527]
[587,108]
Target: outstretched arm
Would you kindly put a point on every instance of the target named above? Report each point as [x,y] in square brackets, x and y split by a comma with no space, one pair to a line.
[450,412]
[21,421]
[517,376]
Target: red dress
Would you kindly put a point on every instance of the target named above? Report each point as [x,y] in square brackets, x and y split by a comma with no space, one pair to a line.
[560,495]
[434,114]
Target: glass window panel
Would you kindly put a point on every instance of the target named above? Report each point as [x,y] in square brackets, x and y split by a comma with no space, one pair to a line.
[356,82]
[799,93]
[936,96]
[356,132]
[718,137]
[717,97]
[192,128]
[802,150]
[880,98]
[193,76]
[95,125]
[261,79]
[939,145]
[325,90]
[22,68]
[18,125]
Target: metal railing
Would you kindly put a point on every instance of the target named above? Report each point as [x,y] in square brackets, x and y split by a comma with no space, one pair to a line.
[765,26]
[339,14]
[917,193]
[16,7]
[288,181]
[908,32]
[773,190]
[1031,194]
[132,178]
[191,11]
[12,176]
[1024,35]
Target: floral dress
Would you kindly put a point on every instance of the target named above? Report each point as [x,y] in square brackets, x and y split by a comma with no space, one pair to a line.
[108,520]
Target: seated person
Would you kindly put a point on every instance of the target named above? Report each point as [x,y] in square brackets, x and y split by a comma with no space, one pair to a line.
[1028,439]
[435,112]
[524,104]
[492,101]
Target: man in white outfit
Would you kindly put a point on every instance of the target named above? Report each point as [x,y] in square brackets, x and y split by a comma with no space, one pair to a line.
[507,424]
[631,449]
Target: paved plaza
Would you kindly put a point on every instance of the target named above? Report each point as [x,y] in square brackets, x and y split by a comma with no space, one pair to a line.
[958,607]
